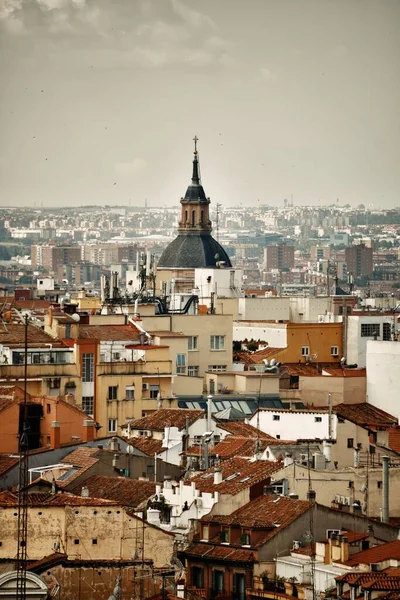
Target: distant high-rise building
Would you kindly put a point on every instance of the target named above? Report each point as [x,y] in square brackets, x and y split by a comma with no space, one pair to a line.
[279,257]
[359,260]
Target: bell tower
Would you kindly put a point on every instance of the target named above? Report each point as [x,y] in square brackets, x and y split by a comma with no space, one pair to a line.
[195,218]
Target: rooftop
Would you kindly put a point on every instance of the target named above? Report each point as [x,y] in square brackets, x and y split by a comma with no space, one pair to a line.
[237,474]
[168,417]
[376,554]
[105,333]
[365,415]
[13,335]
[128,492]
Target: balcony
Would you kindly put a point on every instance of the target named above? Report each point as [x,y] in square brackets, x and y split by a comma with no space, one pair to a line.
[39,371]
[160,368]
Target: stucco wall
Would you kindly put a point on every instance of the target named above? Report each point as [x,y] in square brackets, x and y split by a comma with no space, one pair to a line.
[293,425]
[383,376]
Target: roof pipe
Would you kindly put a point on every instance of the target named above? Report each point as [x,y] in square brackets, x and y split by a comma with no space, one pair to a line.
[385,485]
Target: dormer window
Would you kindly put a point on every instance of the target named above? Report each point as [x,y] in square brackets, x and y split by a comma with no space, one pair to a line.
[245,539]
[205,533]
[224,536]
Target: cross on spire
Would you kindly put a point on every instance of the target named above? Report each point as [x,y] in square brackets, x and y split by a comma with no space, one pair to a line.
[195,139]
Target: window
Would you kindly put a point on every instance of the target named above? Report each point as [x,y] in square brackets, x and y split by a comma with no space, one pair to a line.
[379,485]
[318,419]
[76,542]
[370,329]
[154,391]
[276,418]
[245,539]
[193,371]
[305,350]
[192,342]
[217,581]
[112,425]
[205,533]
[350,442]
[181,364]
[197,577]
[239,586]
[216,368]
[350,485]
[112,392]
[94,541]
[130,392]
[88,405]
[334,351]
[224,536]
[87,368]
[116,356]
[387,332]
[217,342]
[48,408]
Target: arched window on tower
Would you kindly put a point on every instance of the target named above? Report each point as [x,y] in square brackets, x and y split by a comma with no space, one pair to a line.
[186,217]
[193,218]
[202,217]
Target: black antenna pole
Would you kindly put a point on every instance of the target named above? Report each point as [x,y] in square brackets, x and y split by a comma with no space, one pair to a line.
[23,483]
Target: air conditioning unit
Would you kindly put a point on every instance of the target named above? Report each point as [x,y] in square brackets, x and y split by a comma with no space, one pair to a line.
[374,567]
[148,434]
[199,502]
[145,387]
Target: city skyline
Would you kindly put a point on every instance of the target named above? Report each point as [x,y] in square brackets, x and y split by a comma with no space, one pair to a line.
[102,101]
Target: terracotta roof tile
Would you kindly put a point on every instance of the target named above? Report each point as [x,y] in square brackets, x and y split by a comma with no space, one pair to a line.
[387,584]
[237,474]
[14,336]
[129,492]
[365,415]
[146,445]
[376,554]
[225,553]
[167,417]
[48,499]
[232,446]
[394,438]
[6,463]
[109,332]
[239,428]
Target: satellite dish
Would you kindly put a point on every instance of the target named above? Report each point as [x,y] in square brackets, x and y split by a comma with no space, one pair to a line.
[76,317]
[129,450]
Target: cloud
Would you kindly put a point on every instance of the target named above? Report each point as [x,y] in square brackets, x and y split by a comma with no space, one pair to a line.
[267,74]
[148,33]
[136,167]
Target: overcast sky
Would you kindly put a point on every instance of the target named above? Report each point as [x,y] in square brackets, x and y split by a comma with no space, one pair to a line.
[100,100]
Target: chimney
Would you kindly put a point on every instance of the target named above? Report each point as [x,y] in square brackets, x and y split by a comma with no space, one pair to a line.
[89,428]
[85,492]
[311,495]
[180,588]
[114,446]
[344,549]
[115,460]
[217,475]
[55,441]
[209,407]
[70,399]
[385,484]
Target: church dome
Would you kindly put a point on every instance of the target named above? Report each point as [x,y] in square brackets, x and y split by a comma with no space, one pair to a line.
[194,247]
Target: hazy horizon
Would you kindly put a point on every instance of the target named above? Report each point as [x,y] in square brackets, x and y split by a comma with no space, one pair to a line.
[100,101]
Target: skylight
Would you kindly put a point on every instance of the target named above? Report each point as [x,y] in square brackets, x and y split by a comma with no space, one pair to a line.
[230,477]
[244,479]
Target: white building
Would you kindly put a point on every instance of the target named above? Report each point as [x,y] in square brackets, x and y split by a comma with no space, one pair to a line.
[288,424]
[383,376]
[360,329]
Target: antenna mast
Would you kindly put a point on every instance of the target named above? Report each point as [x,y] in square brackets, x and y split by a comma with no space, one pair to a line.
[217,219]
[23,482]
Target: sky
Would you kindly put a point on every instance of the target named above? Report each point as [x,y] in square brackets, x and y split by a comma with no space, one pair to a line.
[100,101]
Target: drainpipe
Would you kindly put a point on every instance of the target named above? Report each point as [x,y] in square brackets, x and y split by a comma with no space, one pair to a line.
[209,406]
[330,435]
[385,483]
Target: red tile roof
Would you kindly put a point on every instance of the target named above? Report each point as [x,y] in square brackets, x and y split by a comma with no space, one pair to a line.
[239,428]
[14,336]
[376,554]
[47,562]
[237,474]
[232,446]
[387,584]
[365,415]
[167,417]
[6,463]
[225,553]
[394,439]
[146,445]
[48,499]
[109,332]
[128,492]
[279,511]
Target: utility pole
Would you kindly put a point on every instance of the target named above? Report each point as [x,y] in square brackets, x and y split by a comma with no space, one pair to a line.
[23,483]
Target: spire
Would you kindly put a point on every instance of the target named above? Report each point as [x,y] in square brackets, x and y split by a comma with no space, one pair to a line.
[195,175]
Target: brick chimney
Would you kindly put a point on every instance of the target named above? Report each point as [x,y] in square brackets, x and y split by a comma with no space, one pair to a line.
[89,430]
[55,441]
